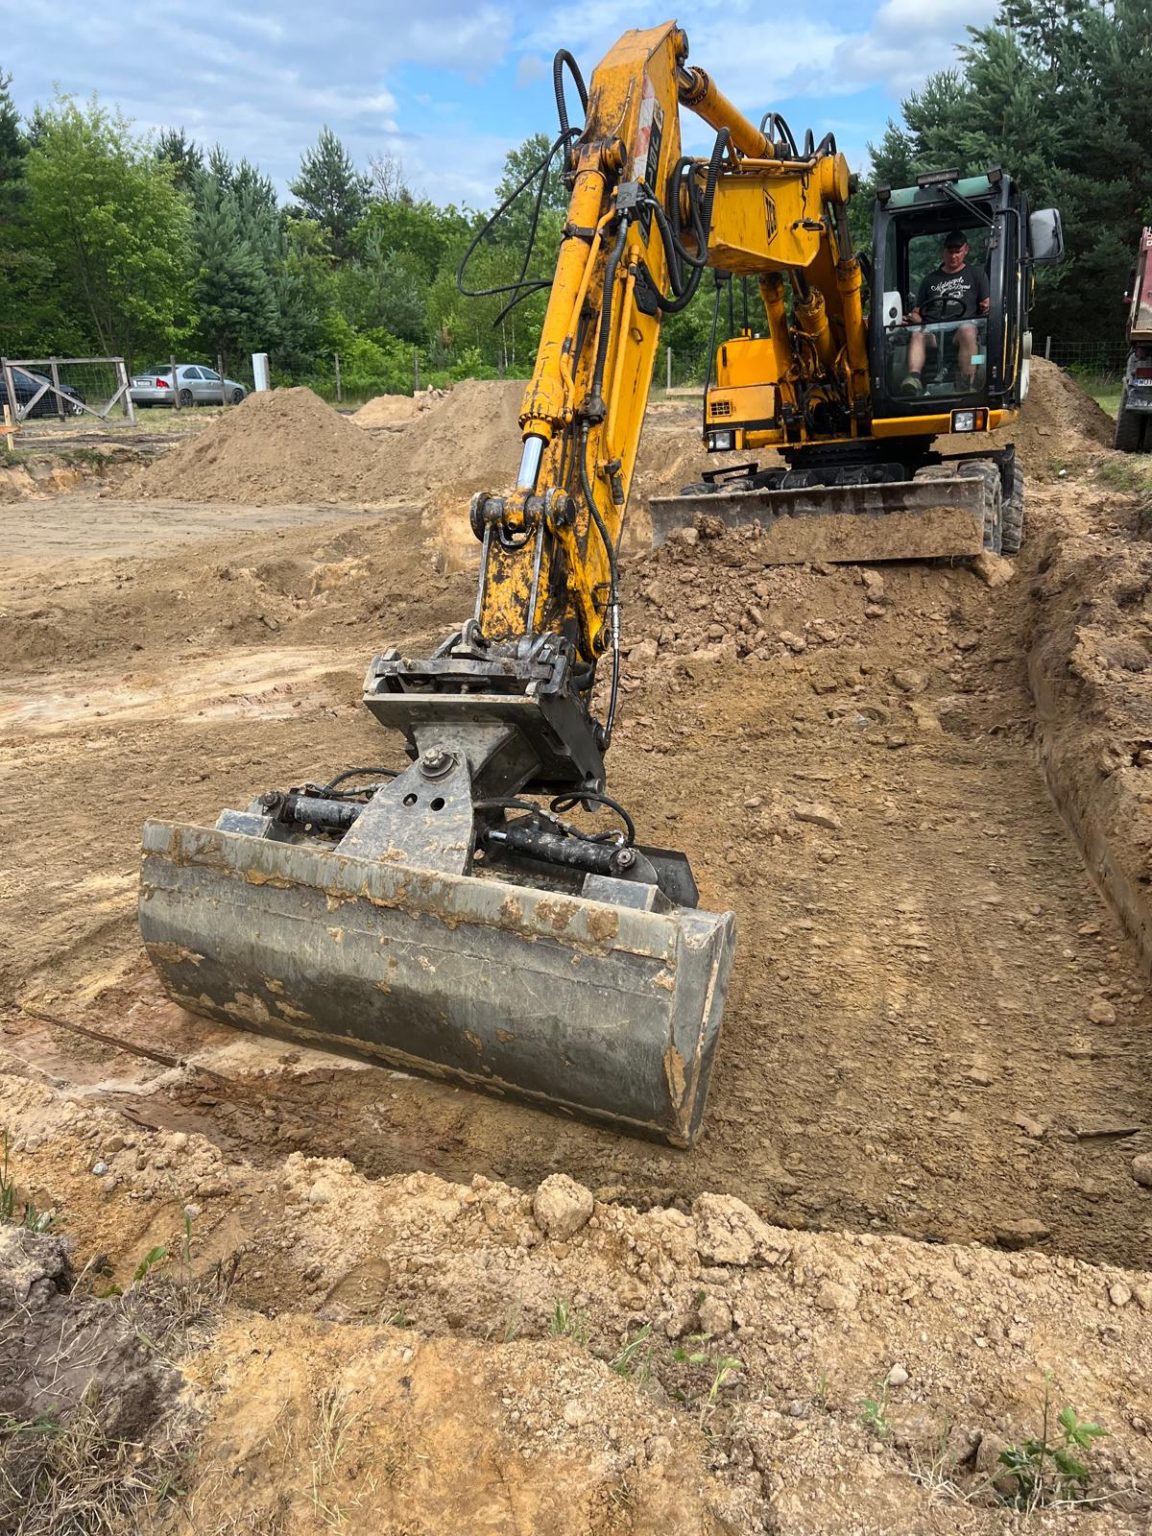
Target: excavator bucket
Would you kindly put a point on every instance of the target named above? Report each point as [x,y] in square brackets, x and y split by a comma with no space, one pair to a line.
[602,1008]
[950,515]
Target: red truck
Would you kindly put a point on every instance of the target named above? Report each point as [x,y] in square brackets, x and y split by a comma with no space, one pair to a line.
[1134,418]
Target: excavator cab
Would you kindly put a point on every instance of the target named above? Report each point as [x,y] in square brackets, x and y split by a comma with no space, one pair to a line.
[955,371]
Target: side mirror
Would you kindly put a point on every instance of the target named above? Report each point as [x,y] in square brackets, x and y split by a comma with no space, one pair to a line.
[1046,237]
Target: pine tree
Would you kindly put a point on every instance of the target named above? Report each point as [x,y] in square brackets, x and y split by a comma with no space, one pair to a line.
[1056,91]
[176,149]
[331,191]
[234,293]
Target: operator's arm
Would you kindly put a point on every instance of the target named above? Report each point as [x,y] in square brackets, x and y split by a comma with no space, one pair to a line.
[921,294]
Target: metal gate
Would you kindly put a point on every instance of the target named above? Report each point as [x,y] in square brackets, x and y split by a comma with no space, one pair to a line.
[65,387]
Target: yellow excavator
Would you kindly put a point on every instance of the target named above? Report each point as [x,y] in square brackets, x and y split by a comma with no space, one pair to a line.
[452,915]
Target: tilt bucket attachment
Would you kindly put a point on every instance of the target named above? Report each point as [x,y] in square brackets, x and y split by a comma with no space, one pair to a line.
[437,922]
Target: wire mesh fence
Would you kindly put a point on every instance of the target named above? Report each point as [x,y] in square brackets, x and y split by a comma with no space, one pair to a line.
[1103,359]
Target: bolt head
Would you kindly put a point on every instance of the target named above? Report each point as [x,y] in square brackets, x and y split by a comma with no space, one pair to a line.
[626,858]
[436,760]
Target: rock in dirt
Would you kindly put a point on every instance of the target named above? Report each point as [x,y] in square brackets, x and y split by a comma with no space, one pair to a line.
[33,1268]
[993,570]
[818,814]
[908,680]
[715,1317]
[730,1232]
[562,1207]
[1034,1128]
[834,1297]
[1022,1234]
[1142,1169]
[1101,1011]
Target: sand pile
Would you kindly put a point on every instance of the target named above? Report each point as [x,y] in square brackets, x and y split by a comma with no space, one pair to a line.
[396,410]
[283,446]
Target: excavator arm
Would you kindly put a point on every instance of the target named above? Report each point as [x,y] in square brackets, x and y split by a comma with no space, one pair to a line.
[643,222]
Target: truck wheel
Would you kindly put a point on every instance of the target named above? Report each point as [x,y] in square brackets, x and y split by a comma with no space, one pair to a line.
[1131,432]
[1012,516]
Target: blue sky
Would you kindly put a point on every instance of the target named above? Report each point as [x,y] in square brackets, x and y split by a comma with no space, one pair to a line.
[447,86]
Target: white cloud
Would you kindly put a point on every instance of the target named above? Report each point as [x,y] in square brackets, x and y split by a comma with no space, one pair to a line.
[910,40]
[530,67]
[261,76]
[760,58]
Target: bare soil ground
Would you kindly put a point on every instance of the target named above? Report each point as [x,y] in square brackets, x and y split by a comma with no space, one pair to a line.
[933,1058]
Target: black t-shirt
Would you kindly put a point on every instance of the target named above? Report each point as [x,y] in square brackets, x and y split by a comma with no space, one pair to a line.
[969,285]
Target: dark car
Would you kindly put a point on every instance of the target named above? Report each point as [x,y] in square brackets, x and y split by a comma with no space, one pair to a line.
[27,386]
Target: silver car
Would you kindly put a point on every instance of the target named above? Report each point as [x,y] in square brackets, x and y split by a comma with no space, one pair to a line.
[195,384]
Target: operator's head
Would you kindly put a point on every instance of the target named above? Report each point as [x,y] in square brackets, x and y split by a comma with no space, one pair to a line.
[954,250]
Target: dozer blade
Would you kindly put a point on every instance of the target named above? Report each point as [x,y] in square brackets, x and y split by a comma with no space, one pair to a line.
[904,520]
[593,1007]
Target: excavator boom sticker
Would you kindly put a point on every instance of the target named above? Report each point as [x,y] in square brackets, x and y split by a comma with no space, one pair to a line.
[649,135]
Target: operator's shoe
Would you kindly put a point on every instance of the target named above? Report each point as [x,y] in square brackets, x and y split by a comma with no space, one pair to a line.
[912,385]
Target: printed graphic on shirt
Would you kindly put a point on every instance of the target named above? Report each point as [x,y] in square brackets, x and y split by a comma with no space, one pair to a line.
[969,286]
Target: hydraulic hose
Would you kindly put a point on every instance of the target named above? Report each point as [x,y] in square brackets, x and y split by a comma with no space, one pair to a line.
[564,61]
[613,594]
[671,227]
[596,409]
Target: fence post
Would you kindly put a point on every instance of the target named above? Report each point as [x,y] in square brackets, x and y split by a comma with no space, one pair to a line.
[54,370]
[220,371]
[10,389]
[669,368]
[339,389]
[175,384]
[11,441]
[1047,349]
[127,404]
[415,370]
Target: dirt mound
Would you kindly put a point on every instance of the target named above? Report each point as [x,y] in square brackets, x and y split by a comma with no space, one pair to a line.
[386,411]
[1056,401]
[279,447]
[469,441]
[425,1355]
[1059,425]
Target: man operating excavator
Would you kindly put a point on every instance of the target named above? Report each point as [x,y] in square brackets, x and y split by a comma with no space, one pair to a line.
[954,291]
